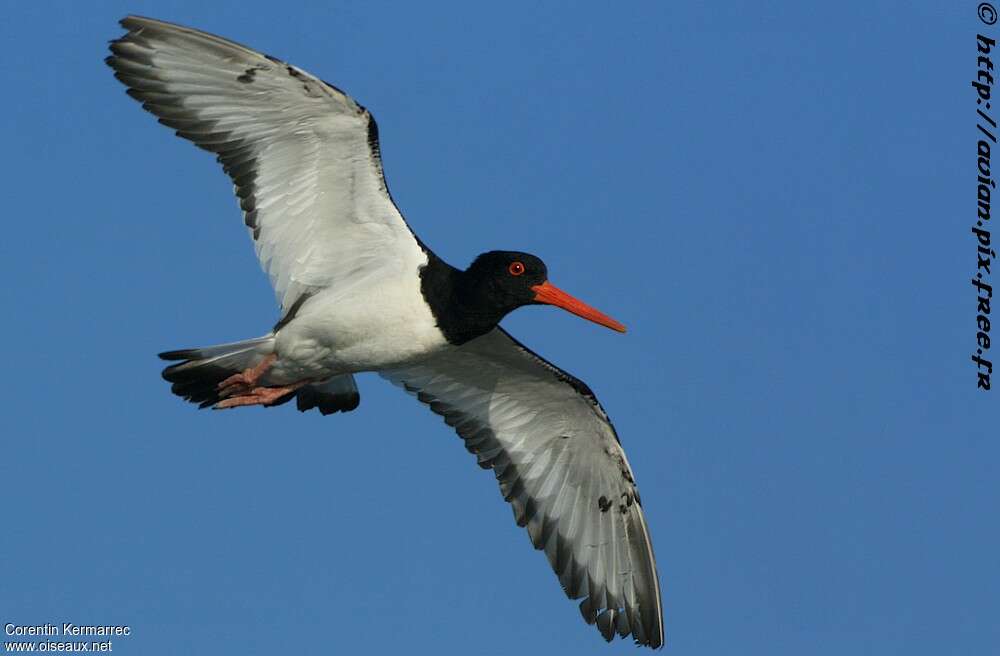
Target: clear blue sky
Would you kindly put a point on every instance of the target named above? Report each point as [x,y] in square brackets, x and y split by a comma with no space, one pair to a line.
[776,198]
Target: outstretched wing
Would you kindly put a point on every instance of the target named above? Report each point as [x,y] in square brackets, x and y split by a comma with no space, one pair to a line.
[303,155]
[560,465]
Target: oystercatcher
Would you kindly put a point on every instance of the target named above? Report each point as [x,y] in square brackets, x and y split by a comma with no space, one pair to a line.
[360,292]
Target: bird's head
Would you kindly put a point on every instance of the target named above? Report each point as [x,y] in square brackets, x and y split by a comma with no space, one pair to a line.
[507,280]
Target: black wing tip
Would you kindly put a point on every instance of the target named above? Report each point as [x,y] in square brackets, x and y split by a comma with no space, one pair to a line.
[133,22]
[133,25]
[181,354]
[656,641]
[611,622]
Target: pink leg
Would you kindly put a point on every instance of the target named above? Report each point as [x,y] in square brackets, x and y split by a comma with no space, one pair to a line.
[247,380]
[258,396]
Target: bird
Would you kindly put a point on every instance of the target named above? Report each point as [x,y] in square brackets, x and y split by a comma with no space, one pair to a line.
[359,292]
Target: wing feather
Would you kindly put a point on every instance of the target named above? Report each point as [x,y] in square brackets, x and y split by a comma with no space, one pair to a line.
[558,462]
[303,156]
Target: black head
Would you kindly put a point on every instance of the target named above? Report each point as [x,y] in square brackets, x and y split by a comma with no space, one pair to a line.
[504,279]
[495,284]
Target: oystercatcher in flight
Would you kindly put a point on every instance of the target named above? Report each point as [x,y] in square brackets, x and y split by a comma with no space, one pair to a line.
[360,292]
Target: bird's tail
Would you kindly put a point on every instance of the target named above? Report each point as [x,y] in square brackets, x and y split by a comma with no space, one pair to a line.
[197,378]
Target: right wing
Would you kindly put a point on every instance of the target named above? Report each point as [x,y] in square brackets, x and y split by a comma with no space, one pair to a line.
[559,464]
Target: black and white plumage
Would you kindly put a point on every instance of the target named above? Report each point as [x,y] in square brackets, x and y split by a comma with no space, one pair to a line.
[558,461]
[359,292]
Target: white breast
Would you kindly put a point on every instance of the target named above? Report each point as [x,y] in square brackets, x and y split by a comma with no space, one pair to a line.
[371,325]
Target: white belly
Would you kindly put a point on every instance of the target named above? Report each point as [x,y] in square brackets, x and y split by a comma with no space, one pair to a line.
[365,328]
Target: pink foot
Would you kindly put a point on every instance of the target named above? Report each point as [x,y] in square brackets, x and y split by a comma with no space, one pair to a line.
[264,396]
[244,382]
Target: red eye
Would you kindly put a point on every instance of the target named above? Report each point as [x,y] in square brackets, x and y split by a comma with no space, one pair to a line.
[516,268]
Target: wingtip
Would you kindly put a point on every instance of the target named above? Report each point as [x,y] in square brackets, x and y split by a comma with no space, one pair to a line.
[129,22]
[134,18]
[656,640]
[181,354]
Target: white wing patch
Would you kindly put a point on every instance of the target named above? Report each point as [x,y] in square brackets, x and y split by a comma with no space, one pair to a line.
[559,464]
[303,155]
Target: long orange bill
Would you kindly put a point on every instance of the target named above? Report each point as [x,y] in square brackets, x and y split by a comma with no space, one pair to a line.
[549,293]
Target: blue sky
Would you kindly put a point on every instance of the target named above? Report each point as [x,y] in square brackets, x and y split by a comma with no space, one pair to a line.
[776,198]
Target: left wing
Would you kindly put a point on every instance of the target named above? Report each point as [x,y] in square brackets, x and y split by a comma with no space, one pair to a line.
[303,155]
[560,465]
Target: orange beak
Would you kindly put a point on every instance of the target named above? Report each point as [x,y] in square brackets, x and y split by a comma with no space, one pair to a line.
[552,295]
